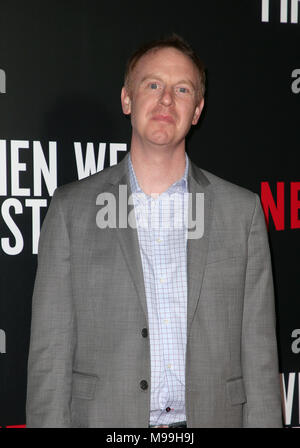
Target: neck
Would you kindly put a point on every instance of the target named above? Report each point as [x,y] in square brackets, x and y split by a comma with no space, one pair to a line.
[157,169]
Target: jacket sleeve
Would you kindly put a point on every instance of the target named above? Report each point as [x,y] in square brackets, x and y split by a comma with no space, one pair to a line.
[52,338]
[259,347]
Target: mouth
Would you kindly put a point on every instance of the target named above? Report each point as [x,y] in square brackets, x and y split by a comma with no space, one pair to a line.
[163,118]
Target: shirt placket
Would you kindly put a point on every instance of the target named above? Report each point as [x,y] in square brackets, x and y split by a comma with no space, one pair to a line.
[163,298]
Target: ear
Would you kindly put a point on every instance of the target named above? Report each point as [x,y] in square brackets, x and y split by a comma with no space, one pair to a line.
[125,101]
[198,111]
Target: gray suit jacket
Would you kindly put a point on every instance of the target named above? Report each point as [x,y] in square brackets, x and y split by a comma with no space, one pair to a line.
[88,356]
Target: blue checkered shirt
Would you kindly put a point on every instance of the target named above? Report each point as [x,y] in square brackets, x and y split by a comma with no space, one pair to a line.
[163,248]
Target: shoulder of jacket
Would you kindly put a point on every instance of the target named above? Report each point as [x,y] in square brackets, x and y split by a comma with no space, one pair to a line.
[223,187]
[92,184]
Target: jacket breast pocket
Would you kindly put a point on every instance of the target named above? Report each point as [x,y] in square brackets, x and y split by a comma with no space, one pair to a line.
[236,391]
[216,255]
[84,385]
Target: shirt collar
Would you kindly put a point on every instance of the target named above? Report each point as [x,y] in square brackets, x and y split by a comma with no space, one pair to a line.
[181,185]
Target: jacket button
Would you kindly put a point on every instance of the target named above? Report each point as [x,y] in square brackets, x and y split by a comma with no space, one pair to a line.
[144,385]
[144,332]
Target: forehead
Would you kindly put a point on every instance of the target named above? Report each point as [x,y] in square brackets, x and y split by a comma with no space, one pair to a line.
[165,62]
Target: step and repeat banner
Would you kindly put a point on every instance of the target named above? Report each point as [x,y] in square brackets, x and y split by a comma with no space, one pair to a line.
[61,73]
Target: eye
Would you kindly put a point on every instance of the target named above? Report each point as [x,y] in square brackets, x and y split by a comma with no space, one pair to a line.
[153,85]
[183,90]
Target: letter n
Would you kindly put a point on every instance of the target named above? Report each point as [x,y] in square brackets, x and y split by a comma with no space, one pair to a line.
[276,209]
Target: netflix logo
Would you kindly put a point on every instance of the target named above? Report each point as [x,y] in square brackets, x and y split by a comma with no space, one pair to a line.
[276,199]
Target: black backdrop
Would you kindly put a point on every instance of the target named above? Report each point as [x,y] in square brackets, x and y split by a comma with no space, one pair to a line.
[61,72]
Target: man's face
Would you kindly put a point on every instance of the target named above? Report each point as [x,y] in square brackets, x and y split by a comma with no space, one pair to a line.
[162,98]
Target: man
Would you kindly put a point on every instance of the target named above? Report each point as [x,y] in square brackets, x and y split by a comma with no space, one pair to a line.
[154,325]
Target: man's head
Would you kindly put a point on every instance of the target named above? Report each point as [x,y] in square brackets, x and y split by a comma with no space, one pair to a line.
[163,92]
[173,41]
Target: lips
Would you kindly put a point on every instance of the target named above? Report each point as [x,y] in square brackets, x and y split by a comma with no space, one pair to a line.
[164,118]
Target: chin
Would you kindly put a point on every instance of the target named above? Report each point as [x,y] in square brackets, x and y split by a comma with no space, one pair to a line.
[160,142]
[160,138]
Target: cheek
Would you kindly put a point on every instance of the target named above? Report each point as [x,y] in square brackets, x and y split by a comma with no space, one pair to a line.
[187,115]
[138,115]
[141,108]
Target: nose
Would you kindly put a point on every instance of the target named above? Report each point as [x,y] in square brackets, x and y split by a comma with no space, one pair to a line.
[166,97]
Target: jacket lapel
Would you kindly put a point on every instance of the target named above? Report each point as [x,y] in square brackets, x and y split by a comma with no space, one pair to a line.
[197,248]
[128,236]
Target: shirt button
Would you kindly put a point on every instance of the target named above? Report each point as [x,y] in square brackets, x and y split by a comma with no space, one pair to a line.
[168,409]
[144,332]
[144,385]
